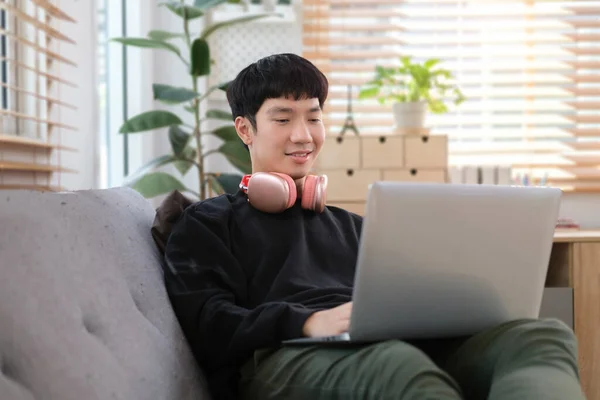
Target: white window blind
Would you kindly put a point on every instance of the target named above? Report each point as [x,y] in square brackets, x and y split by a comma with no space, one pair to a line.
[30,99]
[530,71]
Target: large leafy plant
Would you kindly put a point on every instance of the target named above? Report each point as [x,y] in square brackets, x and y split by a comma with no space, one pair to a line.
[413,82]
[187,149]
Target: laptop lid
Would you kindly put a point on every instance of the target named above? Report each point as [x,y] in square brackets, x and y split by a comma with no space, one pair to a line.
[439,260]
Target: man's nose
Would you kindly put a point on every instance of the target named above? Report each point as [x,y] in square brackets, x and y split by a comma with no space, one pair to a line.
[301,133]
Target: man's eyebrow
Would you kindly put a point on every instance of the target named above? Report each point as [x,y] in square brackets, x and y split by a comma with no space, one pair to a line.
[315,109]
[275,110]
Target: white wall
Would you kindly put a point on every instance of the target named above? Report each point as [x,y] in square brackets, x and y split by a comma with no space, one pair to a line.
[83,53]
[584,208]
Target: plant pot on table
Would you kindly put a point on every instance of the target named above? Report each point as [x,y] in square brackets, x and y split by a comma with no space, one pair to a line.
[409,115]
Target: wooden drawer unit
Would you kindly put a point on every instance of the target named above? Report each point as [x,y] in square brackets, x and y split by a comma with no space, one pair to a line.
[350,185]
[339,153]
[415,175]
[382,151]
[426,151]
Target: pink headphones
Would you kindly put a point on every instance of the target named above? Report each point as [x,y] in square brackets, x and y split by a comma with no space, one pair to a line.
[273,192]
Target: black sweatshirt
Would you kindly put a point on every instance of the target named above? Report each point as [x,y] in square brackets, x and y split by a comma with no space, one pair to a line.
[240,279]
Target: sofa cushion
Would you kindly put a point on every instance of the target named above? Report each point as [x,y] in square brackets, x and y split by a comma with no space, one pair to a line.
[83,309]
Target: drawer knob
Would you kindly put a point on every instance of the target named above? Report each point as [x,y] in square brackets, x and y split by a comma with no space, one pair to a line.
[425,139]
[413,171]
[382,139]
[339,139]
[350,172]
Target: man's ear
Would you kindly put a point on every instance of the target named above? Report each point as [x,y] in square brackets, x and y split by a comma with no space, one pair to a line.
[244,130]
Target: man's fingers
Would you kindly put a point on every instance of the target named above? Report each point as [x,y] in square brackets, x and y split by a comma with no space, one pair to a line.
[344,326]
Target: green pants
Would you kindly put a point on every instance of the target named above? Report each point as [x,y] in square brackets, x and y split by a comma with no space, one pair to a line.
[525,359]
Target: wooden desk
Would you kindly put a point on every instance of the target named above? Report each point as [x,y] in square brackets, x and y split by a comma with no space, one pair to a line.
[575,263]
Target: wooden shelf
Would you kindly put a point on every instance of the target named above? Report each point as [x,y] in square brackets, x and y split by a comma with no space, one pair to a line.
[31,167]
[20,141]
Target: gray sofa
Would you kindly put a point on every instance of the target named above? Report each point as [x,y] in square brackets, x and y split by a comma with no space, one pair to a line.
[83,310]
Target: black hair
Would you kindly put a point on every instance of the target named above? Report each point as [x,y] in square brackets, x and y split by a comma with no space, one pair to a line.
[278,75]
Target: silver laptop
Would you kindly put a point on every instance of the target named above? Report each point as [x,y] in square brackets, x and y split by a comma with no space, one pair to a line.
[444,260]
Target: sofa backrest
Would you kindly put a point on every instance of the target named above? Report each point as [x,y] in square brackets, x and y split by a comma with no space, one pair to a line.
[83,310]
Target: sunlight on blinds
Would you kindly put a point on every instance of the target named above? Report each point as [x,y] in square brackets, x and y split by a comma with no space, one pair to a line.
[30,101]
[530,71]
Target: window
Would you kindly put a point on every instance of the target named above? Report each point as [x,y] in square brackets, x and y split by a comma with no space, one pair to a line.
[122,86]
[529,69]
[30,79]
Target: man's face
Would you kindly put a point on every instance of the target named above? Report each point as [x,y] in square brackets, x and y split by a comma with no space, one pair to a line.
[289,137]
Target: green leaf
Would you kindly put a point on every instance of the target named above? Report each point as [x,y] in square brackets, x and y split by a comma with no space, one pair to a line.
[237,155]
[150,120]
[200,58]
[368,92]
[226,133]
[163,35]
[406,61]
[178,139]
[431,63]
[219,114]
[157,183]
[152,164]
[225,183]
[171,94]
[148,43]
[207,4]
[182,10]
[189,109]
[183,166]
[229,182]
[212,28]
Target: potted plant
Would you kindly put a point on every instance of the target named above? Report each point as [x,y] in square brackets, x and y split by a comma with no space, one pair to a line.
[187,150]
[412,89]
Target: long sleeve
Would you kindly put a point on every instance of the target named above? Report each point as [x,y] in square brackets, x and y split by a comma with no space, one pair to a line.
[206,285]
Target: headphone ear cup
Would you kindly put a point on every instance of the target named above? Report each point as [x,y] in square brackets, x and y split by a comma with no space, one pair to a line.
[271,192]
[314,193]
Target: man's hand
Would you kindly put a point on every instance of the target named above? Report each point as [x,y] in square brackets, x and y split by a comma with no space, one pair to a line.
[328,322]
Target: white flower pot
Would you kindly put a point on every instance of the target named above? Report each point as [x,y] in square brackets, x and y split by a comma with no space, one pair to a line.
[409,115]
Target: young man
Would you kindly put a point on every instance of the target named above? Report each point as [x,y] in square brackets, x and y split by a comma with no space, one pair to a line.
[241,280]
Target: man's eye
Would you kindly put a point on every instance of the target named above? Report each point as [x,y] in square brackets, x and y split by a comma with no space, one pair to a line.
[315,120]
[282,121]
